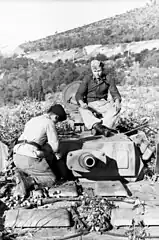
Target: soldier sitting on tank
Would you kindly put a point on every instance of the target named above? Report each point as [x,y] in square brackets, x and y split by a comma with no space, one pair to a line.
[35,153]
[92,96]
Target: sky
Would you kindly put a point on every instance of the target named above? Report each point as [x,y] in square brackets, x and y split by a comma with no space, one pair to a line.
[24,20]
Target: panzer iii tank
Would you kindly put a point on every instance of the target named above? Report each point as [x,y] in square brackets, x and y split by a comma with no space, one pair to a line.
[95,157]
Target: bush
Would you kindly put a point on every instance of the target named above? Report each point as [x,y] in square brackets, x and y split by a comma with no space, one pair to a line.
[26,77]
[13,119]
[101,57]
[142,76]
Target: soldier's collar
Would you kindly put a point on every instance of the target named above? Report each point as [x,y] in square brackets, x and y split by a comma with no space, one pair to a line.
[103,77]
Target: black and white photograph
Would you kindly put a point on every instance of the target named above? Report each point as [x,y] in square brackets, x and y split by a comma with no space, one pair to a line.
[79,119]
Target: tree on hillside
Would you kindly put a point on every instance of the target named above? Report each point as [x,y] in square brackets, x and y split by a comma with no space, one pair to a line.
[49,86]
[84,73]
[71,76]
[41,95]
[101,57]
[30,91]
[69,65]
[151,60]
[58,75]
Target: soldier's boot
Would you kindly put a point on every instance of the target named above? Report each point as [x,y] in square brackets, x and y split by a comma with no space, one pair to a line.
[98,128]
[23,183]
[109,132]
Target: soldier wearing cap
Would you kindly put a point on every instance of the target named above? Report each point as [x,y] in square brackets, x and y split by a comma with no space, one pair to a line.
[36,150]
[92,94]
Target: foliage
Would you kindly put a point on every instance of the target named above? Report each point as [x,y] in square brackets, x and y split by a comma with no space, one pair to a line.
[13,119]
[22,77]
[101,57]
[142,77]
[28,78]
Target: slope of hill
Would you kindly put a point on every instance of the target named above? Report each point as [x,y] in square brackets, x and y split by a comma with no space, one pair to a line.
[135,25]
[7,50]
[87,52]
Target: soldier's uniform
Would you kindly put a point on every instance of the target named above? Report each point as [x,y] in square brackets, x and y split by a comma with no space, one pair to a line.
[34,153]
[95,93]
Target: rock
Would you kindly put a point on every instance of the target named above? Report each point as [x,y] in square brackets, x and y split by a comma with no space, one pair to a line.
[43,218]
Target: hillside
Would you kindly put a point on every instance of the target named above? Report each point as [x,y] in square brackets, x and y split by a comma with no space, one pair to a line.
[135,25]
[87,52]
[48,65]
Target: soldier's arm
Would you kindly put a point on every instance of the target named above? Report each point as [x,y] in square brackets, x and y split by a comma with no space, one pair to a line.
[113,89]
[82,91]
[52,136]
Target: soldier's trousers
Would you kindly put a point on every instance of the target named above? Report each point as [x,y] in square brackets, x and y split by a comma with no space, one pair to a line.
[106,108]
[39,170]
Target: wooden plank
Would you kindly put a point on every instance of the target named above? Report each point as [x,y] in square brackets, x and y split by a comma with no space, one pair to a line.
[145,191]
[56,205]
[56,233]
[151,231]
[151,216]
[123,217]
[29,218]
[44,233]
[110,188]
[97,236]
[119,233]
[47,234]
[65,190]
[122,204]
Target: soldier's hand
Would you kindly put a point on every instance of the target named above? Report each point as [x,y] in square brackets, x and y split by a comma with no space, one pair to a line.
[83,105]
[117,105]
[58,156]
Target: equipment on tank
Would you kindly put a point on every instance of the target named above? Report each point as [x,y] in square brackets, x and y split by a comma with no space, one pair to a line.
[68,96]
